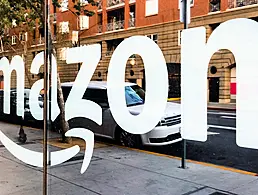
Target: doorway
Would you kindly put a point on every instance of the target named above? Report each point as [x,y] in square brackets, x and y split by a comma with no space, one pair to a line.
[214,89]
[1,82]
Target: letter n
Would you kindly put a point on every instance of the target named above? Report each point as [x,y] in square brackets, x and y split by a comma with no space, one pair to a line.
[240,37]
[17,64]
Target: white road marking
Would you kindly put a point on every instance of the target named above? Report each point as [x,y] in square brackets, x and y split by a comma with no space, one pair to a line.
[228,117]
[222,127]
[212,133]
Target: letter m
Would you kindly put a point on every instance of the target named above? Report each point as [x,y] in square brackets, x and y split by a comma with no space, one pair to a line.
[240,37]
[17,64]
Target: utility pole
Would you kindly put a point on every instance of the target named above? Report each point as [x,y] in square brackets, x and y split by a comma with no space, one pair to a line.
[185,18]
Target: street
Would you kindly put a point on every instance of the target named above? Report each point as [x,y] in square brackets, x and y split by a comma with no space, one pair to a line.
[221,147]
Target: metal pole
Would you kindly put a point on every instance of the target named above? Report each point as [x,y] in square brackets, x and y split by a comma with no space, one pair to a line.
[45,133]
[79,64]
[79,43]
[183,159]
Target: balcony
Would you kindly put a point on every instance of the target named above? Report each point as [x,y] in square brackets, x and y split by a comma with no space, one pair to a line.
[118,25]
[114,2]
[241,3]
[39,41]
[132,22]
[215,5]
[100,28]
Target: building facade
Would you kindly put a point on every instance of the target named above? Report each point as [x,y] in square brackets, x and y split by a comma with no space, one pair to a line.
[115,20]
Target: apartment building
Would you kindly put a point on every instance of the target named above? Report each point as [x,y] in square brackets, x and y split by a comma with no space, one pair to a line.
[115,20]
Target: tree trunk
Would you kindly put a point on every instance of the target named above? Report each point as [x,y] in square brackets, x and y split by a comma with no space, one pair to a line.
[63,123]
[60,98]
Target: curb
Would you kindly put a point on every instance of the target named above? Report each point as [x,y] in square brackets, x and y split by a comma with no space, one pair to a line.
[216,108]
[209,107]
[221,167]
[174,99]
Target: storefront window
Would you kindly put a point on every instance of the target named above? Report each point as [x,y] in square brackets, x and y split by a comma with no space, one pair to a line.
[128,97]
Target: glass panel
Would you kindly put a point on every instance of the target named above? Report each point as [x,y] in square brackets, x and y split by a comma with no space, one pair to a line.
[21,136]
[137,98]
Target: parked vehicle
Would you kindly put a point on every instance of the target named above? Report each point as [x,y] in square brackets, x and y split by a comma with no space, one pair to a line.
[166,132]
[12,117]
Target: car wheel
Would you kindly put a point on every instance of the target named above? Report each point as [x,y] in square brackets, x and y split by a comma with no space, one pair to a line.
[128,140]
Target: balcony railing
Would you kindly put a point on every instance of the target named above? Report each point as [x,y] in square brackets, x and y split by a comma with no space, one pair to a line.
[115,25]
[53,16]
[215,5]
[132,22]
[38,41]
[99,4]
[114,2]
[100,28]
[241,3]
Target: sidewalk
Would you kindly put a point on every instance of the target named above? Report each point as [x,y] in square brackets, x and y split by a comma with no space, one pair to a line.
[116,170]
[216,106]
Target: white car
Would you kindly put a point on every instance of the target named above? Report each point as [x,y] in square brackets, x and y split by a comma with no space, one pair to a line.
[166,132]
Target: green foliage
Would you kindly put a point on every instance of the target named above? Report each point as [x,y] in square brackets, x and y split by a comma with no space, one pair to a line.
[26,12]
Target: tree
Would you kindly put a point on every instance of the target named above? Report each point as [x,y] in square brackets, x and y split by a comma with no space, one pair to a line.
[28,14]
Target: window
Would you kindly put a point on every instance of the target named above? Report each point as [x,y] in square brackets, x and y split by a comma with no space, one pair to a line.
[64,27]
[14,23]
[84,22]
[153,37]
[179,37]
[13,39]
[215,5]
[34,53]
[111,45]
[34,34]
[180,1]
[55,29]
[132,97]
[75,37]
[62,53]
[64,5]
[84,2]
[98,96]
[66,92]
[151,7]
[41,35]
[6,31]
[23,36]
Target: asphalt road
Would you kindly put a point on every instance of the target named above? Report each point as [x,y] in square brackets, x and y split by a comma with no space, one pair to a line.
[220,148]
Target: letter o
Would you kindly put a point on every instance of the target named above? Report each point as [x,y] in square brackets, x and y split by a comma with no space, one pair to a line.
[156,85]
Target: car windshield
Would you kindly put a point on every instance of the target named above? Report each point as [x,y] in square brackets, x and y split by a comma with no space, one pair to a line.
[134,95]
